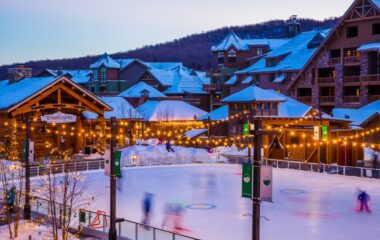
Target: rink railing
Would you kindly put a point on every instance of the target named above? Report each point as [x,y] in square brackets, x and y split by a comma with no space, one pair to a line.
[72,166]
[97,224]
[311,167]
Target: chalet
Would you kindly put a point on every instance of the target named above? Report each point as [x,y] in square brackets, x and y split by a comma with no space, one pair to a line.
[277,68]
[296,123]
[53,106]
[344,71]
[108,76]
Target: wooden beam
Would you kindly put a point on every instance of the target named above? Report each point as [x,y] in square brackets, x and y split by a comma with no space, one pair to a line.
[82,99]
[59,96]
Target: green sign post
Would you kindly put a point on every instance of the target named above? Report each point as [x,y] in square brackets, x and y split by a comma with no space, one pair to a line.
[324,132]
[117,157]
[247,181]
[246,129]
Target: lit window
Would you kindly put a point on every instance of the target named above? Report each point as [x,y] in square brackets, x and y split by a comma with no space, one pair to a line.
[259,51]
[103,74]
[232,56]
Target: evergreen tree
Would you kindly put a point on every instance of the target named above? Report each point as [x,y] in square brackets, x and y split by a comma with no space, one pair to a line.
[11,149]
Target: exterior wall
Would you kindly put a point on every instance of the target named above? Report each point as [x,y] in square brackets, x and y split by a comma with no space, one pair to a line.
[339,41]
[133,73]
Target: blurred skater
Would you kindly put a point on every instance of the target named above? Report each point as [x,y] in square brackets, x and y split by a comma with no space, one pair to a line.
[169,146]
[147,208]
[363,201]
[168,216]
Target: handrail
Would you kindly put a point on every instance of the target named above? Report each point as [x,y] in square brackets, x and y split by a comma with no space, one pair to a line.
[121,220]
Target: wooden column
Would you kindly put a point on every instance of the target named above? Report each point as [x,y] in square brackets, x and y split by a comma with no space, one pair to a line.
[78,138]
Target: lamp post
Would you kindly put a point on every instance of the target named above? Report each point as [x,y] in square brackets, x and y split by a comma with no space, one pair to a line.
[27,209]
[257,142]
[112,229]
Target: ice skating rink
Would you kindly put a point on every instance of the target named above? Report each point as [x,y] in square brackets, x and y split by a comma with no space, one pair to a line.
[306,206]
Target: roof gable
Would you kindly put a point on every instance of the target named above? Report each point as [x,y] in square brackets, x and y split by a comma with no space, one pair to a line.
[105,61]
[253,94]
[135,91]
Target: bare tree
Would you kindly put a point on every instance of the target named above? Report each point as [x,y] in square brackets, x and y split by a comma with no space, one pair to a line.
[66,194]
[12,182]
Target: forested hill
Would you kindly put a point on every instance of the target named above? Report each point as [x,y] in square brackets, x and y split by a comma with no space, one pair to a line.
[192,50]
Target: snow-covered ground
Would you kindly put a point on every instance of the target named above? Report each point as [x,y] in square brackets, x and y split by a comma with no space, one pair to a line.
[30,229]
[306,205]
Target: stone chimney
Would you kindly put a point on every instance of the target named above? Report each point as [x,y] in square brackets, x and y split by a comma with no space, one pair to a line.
[293,27]
[19,72]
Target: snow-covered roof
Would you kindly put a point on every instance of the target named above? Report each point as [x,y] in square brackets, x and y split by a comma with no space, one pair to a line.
[377,3]
[164,65]
[136,90]
[231,81]
[244,44]
[11,94]
[375,46]
[254,93]
[357,116]
[295,53]
[291,107]
[181,80]
[247,80]
[220,113]
[195,132]
[125,62]
[106,61]
[372,106]
[167,110]
[78,76]
[121,109]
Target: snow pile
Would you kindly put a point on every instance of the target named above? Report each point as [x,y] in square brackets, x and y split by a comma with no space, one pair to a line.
[232,151]
[370,154]
[30,229]
[157,154]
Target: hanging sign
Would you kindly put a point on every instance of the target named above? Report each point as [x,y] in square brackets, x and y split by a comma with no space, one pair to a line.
[117,156]
[324,132]
[266,183]
[246,129]
[59,117]
[247,180]
[317,133]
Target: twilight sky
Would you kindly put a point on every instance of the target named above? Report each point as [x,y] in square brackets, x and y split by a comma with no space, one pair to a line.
[48,29]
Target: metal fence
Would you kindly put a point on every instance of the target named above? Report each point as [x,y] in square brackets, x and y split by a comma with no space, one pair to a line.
[98,222]
[61,167]
[311,167]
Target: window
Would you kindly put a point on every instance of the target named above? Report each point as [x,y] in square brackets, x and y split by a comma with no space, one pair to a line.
[335,53]
[375,28]
[258,107]
[232,56]
[352,32]
[274,106]
[103,74]
[259,51]
[220,57]
[95,72]
[266,107]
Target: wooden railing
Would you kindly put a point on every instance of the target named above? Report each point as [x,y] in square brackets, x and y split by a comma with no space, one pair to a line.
[326,80]
[351,79]
[305,99]
[327,99]
[352,59]
[372,98]
[370,78]
[351,99]
[334,61]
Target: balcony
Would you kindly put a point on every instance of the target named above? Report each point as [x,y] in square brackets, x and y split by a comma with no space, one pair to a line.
[325,80]
[351,99]
[334,61]
[351,79]
[327,99]
[373,78]
[352,60]
[210,87]
[372,98]
[305,99]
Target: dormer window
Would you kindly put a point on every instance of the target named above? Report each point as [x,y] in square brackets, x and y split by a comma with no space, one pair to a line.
[232,56]
[270,62]
[220,57]
[259,51]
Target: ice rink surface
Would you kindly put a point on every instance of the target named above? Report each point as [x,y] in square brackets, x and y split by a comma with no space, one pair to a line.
[306,206]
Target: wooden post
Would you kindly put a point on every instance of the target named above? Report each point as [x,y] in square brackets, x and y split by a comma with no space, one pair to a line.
[112,230]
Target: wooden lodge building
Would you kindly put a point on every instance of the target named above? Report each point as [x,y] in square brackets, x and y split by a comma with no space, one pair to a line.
[54,105]
[295,123]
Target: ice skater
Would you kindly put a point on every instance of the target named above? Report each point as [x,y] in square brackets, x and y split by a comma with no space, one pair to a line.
[169,146]
[363,201]
[147,208]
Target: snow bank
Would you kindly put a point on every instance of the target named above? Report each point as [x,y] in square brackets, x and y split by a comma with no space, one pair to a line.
[157,154]
[26,229]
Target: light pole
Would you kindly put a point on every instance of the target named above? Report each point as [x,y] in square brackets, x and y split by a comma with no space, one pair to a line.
[112,230]
[27,211]
[257,142]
